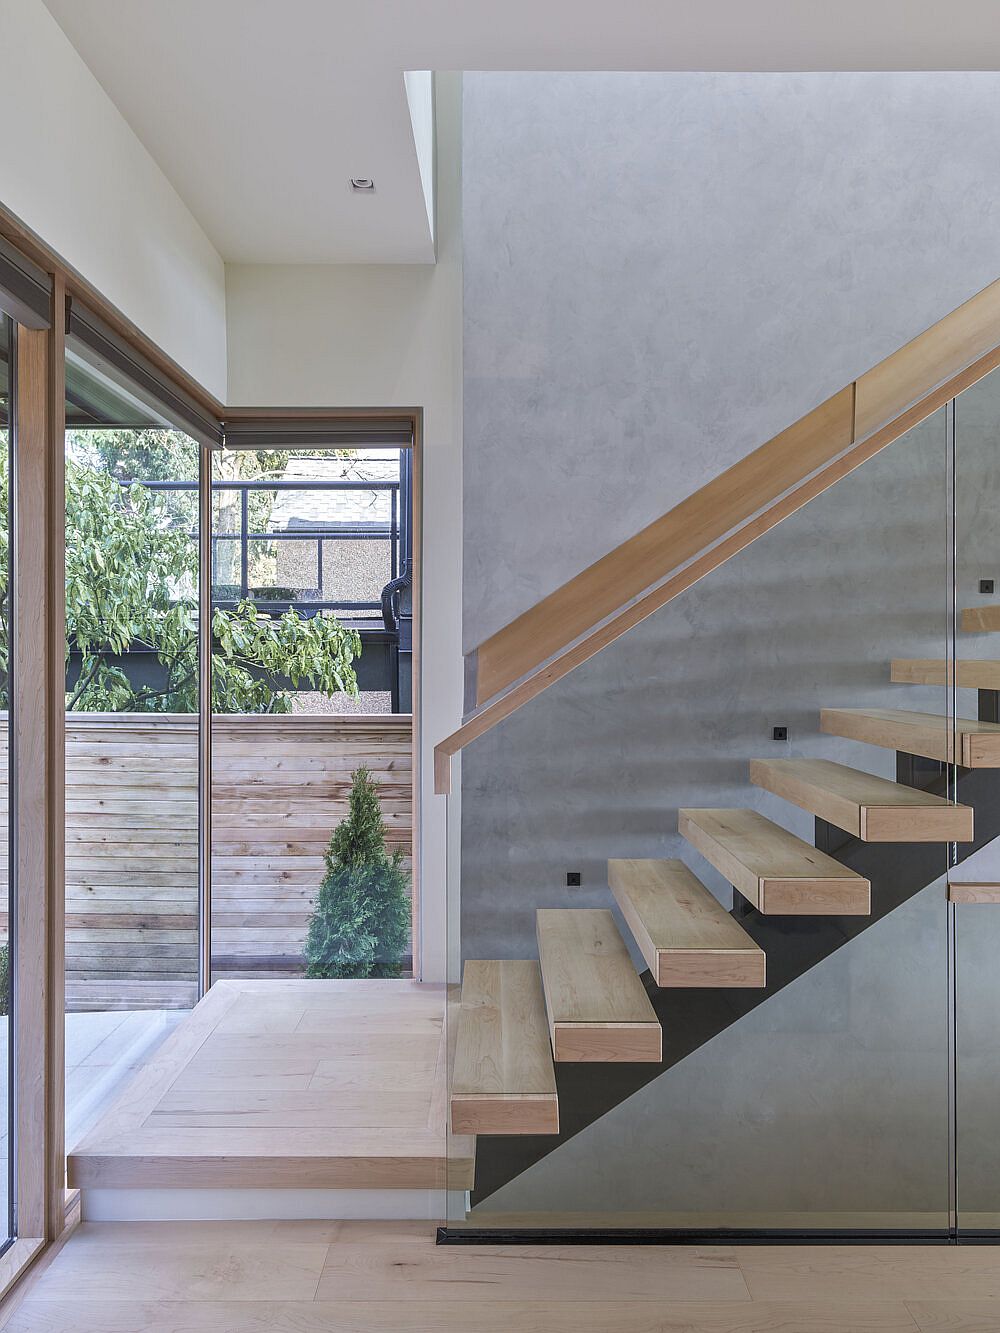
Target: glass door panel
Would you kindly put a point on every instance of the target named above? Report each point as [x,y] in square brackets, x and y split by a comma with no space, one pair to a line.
[132,920]
[310,683]
[715,737]
[975,878]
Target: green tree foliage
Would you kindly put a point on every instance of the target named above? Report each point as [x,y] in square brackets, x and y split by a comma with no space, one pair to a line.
[139,455]
[132,581]
[170,455]
[360,924]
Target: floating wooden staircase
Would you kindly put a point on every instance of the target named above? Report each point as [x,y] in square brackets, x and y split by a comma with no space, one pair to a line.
[593,1004]
[684,933]
[871,808]
[584,1002]
[926,734]
[584,997]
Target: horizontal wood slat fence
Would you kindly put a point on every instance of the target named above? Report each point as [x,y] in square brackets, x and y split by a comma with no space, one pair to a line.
[278,793]
[280,787]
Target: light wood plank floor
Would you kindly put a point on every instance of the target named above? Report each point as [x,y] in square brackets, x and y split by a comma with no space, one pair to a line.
[389,1277]
[310,1084]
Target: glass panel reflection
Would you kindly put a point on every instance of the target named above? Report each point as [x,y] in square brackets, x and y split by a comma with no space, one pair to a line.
[131,738]
[821,1100]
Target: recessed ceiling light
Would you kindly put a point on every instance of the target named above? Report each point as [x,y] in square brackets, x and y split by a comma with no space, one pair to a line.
[362,183]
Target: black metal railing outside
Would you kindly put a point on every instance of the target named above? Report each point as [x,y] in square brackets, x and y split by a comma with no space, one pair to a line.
[394,532]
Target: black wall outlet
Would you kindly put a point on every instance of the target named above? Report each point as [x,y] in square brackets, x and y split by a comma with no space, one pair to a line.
[572,879]
[779,734]
[986,585]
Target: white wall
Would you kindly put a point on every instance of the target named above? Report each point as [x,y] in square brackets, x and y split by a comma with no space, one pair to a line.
[420,99]
[383,335]
[74,172]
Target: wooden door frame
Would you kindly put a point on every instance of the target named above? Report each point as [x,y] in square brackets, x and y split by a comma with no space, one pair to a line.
[36,787]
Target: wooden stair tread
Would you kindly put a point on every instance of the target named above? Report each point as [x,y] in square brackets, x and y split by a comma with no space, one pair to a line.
[684,933]
[503,1081]
[597,1007]
[981,619]
[973,891]
[927,734]
[871,808]
[772,868]
[980,674]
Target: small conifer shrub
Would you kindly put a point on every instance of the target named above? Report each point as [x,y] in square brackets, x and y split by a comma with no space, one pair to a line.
[360,924]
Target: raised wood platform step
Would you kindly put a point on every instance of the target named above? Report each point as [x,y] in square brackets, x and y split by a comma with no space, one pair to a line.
[685,934]
[872,809]
[977,619]
[597,1007]
[772,868]
[927,734]
[288,1085]
[503,1080]
[971,675]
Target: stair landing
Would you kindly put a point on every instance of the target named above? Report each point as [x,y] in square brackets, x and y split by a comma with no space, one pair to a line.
[287,1085]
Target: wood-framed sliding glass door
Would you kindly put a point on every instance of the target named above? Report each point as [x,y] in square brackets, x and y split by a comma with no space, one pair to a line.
[132,700]
[135,862]
[68,358]
[71,368]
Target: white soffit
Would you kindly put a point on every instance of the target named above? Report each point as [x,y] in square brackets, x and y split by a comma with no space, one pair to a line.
[260,111]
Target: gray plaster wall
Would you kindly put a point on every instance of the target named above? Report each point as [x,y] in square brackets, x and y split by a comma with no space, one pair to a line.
[664,270]
[671,715]
[661,272]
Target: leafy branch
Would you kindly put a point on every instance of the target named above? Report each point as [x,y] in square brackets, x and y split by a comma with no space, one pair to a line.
[132,580]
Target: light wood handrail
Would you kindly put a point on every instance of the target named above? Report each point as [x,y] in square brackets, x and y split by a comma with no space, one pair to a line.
[621,589]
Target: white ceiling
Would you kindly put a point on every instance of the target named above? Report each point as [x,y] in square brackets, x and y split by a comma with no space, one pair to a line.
[260,111]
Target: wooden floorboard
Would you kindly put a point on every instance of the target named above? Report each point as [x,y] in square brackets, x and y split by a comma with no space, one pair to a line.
[905,1272]
[472,1315]
[295,1083]
[389,1277]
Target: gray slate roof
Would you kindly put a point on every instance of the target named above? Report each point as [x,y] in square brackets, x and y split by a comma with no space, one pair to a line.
[296,510]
